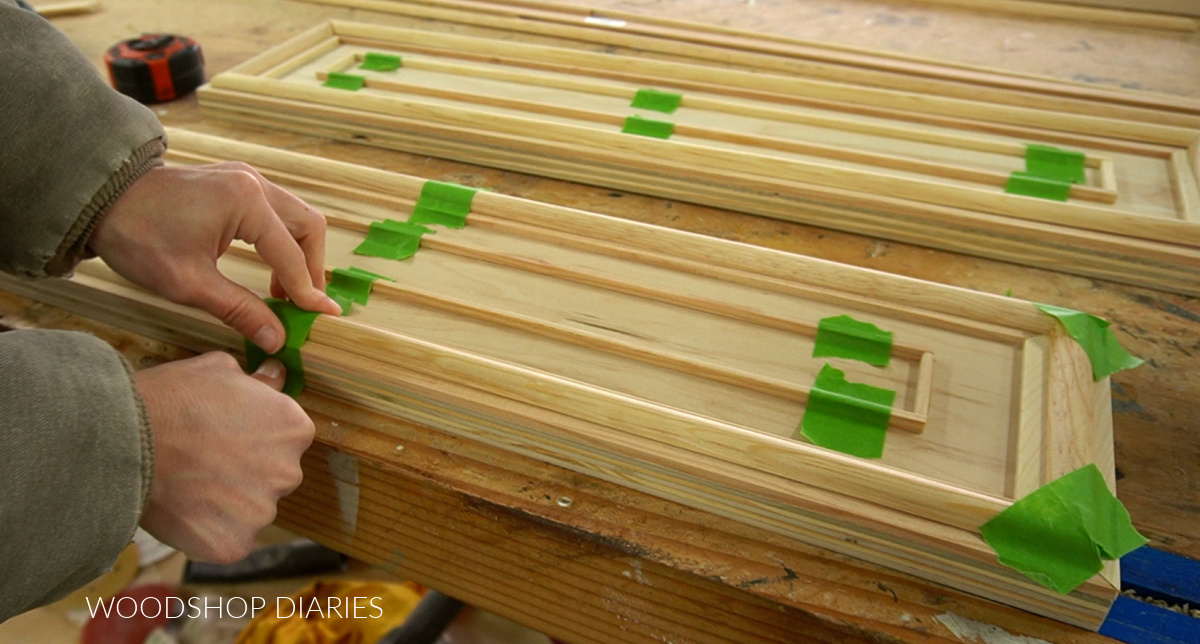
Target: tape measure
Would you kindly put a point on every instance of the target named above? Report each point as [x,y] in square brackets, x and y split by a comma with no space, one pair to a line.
[155,67]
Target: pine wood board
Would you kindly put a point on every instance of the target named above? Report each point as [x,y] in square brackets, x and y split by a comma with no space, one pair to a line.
[812,163]
[1027,412]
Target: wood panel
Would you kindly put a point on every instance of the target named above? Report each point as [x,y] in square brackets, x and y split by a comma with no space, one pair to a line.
[517,535]
[832,154]
[636,354]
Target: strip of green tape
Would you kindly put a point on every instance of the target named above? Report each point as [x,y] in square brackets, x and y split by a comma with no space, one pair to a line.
[845,416]
[841,336]
[352,285]
[657,100]
[648,127]
[391,239]
[342,80]
[1058,534]
[1093,334]
[378,62]
[444,204]
[1023,183]
[296,324]
[1049,162]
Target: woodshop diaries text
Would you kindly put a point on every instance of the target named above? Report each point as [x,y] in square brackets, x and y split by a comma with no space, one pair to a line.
[236,607]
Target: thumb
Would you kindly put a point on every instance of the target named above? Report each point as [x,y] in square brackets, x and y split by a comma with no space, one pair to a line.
[271,372]
[242,310]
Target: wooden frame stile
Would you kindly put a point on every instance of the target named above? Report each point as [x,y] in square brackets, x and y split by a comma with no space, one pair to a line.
[1108,228]
[899,512]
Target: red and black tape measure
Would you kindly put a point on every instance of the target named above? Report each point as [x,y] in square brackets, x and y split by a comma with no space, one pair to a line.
[155,67]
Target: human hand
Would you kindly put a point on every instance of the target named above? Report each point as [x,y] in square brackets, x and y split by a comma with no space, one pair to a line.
[227,447]
[166,231]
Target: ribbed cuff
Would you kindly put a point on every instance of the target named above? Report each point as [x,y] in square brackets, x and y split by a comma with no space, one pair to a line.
[74,246]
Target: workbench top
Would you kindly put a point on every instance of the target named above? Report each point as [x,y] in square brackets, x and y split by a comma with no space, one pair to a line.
[485,506]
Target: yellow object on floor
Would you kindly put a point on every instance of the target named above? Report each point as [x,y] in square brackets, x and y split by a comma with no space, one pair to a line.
[334,612]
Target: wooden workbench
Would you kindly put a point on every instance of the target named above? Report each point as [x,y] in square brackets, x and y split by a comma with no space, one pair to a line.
[587,561]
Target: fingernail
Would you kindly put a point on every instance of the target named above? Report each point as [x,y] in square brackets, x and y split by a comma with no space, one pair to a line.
[272,369]
[333,307]
[268,339]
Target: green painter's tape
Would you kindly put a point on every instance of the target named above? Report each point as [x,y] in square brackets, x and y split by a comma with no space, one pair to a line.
[1094,335]
[352,285]
[648,127]
[391,239]
[296,324]
[340,80]
[376,62]
[1023,183]
[1049,162]
[1058,534]
[659,101]
[845,416]
[444,204]
[842,336]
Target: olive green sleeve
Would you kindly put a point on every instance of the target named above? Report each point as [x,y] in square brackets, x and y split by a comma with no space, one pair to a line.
[72,145]
[76,459]
[76,462]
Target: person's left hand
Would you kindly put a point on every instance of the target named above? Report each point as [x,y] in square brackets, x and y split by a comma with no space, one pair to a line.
[166,231]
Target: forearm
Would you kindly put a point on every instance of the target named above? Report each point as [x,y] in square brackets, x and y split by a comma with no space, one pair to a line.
[72,146]
[76,464]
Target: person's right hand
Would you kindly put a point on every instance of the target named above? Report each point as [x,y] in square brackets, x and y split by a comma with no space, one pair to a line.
[227,447]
